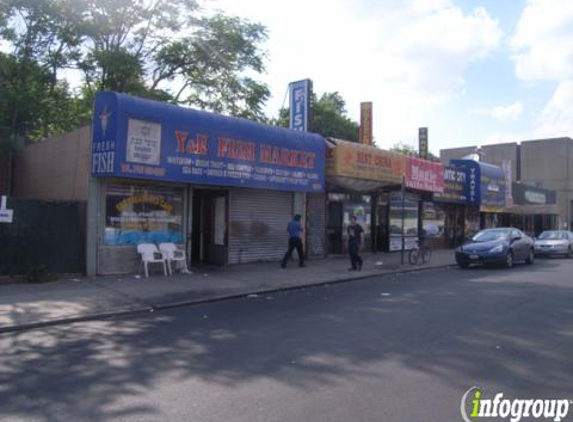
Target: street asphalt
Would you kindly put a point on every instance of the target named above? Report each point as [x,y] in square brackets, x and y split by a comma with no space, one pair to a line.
[402,347]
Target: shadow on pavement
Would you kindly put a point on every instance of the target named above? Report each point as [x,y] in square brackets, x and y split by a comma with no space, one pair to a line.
[450,324]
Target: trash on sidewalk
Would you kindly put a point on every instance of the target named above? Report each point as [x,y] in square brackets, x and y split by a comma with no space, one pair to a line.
[385,294]
[379,263]
[137,276]
[252,296]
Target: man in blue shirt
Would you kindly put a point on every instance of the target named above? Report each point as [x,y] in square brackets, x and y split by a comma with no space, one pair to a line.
[295,231]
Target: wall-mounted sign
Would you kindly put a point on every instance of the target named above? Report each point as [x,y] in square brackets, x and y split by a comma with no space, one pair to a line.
[485,184]
[350,159]
[506,166]
[143,142]
[300,105]
[423,142]
[530,195]
[366,123]
[456,186]
[535,197]
[6,215]
[424,175]
[144,139]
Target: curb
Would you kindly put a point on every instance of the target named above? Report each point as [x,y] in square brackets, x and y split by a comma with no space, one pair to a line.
[70,320]
[289,288]
[212,299]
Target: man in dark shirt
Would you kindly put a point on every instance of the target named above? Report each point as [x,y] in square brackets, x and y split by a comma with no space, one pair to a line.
[355,242]
[295,231]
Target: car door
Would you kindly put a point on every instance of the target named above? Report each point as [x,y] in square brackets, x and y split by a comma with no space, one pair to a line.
[520,245]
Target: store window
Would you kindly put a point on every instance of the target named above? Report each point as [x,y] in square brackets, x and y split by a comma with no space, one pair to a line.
[360,210]
[143,214]
[410,213]
[220,215]
[433,220]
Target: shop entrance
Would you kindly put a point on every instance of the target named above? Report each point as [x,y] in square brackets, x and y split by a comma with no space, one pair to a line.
[209,235]
[334,228]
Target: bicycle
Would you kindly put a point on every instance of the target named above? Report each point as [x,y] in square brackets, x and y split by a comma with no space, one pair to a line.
[419,253]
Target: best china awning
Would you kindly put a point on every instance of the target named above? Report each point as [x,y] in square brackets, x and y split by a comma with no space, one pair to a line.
[361,168]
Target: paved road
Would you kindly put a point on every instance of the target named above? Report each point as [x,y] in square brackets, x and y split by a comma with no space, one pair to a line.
[400,348]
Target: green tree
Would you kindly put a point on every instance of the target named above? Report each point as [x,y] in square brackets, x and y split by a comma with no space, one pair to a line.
[407,149]
[329,117]
[162,49]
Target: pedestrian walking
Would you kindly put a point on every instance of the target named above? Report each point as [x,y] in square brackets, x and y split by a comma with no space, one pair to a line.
[295,231]
[355,242]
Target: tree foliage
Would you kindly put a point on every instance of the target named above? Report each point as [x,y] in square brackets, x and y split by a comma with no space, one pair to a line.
[329,117]
[407,149]
[167,50]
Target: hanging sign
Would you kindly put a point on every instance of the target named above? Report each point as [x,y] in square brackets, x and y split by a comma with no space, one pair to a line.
[6,215]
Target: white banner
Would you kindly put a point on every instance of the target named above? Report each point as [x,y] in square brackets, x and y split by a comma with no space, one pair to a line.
[143,142]
[506,166]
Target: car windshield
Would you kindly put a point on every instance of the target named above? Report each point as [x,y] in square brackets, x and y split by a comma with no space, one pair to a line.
[552,236]
[491,235]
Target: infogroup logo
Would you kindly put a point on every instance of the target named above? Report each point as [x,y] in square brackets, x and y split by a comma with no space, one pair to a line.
[514,409]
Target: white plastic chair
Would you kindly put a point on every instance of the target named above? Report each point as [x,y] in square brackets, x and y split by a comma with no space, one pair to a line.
[173,254]
[151,255]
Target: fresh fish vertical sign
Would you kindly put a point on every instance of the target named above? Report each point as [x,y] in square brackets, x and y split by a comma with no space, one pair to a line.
[300,94]
[104,132]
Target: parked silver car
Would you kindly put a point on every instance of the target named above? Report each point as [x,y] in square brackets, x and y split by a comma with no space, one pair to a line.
[555,242]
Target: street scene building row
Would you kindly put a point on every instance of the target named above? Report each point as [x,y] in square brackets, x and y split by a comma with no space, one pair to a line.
[224,188]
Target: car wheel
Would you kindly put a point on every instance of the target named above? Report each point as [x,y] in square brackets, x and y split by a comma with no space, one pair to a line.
[531,258]
[509,259]
[570,252]
[463,265]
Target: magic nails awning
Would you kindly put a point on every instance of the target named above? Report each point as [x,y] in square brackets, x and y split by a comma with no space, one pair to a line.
[424,175]
[138,138]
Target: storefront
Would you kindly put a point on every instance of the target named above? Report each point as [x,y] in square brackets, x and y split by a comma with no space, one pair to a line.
[356,177]
[534,209]
[223,188]
[410,210]
[423,179]
[452,208]
[486,187]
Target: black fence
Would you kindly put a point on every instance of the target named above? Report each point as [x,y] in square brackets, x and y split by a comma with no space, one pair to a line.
[44,234]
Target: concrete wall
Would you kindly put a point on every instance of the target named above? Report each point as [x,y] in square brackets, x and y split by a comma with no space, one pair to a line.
[545,161]
[492,154]
[455,153]
[55,168]
[550,162]
[496,154]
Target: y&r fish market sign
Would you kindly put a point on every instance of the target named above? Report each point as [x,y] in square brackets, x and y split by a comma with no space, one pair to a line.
[137,138]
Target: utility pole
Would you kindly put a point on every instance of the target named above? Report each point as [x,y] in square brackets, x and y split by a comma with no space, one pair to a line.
[402,198]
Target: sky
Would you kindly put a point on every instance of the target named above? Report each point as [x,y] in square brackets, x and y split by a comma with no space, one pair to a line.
[473,72]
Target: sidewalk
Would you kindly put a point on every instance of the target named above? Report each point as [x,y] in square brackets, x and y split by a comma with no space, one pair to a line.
[75,299]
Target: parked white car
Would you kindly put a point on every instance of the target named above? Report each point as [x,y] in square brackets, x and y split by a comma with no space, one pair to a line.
[555,242]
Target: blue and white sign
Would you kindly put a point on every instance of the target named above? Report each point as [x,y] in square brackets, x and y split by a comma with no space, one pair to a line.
[485,184]
[300,93]
[6,215]
[144,139]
